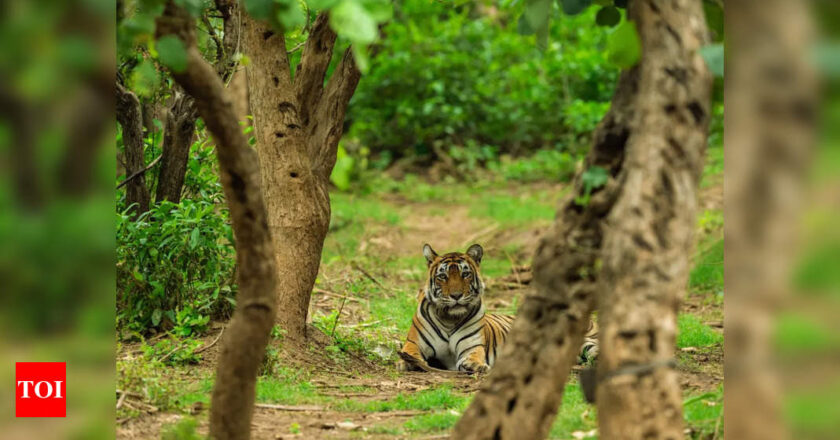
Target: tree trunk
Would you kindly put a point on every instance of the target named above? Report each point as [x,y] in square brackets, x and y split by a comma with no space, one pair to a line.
[297,127]
[649,231]
[130,118]
[179,133]
[244,343]
[771,99]
[521,396]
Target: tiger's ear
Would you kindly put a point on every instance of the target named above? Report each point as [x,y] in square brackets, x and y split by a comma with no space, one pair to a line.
[476,252]
[429,253]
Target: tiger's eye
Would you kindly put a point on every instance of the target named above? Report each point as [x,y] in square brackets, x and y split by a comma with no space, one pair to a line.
[467,276]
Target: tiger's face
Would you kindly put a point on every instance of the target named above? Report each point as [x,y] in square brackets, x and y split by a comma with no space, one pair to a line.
[454,285]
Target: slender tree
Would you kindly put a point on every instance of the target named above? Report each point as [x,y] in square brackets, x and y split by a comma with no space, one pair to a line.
[629,237]
[244,344]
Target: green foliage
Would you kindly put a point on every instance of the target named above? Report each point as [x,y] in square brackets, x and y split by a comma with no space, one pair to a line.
[442,397]
[593,178]
[438,421]
[449,78]
[174,267]
[183,429]
[173,351]
[172,53]
[693,333]
[624,46]
[713,55]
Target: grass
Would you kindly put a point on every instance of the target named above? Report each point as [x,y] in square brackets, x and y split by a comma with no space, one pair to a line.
[693,333]
[441,397]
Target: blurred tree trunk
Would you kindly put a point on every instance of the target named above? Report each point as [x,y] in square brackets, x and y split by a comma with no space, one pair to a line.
[130,118]
[771,97]
[631,239]
[297,125]
[247,334]
[178,136]
[649,231]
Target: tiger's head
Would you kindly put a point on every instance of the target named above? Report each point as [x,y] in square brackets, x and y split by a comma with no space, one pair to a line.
[454,286]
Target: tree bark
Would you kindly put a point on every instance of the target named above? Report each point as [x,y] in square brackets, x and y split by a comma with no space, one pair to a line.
[584,257]
[771,97]
[244,343]
[297,126]
[130,118]
[649,231]
[179,133]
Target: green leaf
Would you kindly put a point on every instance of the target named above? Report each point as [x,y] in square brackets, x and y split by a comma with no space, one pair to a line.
[380,10]
[156,315]
[259,9]
[538,15]
[343,170]
[321,5]
[290,15]
[608,16]
[144,78]
[522,26]
[360,55]
[594,177]
[574,7]
[713,55]
[172,53]
[194,7]
[194,238]
[351,20]
[623,45]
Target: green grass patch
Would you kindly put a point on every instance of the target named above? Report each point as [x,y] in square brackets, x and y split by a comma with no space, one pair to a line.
[703,414]
[439,421]
[693,333]
[287,386]
[575,414]
[515,210]
[707,273]
[433,399]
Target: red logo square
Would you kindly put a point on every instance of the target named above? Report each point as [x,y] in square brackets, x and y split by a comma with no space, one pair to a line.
[41,389]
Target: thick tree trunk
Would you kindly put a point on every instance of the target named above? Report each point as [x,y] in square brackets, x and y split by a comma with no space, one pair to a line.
[244,343]
[649,231]
[522,394]
[297,126]
[179,133]
[130,118]
[771,99]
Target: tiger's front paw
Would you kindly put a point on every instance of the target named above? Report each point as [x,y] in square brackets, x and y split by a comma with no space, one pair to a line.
[474,367]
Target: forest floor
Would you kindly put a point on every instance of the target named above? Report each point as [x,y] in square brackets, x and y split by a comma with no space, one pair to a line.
[344,384]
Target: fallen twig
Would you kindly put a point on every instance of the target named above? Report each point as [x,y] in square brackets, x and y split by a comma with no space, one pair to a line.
[212,343]
[366,274]
[480,234]
[289,407]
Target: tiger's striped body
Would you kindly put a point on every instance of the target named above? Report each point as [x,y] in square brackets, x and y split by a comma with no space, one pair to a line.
[450,329]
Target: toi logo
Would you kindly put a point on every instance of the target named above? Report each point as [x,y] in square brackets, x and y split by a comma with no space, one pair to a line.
[40,389]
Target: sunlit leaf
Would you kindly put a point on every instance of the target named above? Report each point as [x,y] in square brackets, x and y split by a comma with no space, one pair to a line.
[172,53]
[713,55]
[349,19]
[144,78]
[623,45]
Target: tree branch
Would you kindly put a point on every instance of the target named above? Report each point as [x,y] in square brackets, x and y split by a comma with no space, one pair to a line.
[248,333]
[330,111]
[310,73]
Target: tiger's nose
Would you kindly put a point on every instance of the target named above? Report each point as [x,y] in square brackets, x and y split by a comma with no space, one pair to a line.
[456,296]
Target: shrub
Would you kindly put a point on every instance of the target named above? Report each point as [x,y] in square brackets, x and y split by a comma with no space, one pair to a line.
[175,267]
[447,76]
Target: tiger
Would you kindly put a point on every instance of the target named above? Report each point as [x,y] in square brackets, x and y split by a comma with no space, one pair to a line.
[450,329]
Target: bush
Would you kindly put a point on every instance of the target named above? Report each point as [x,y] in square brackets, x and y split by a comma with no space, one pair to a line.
[175,267]
[459,76]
